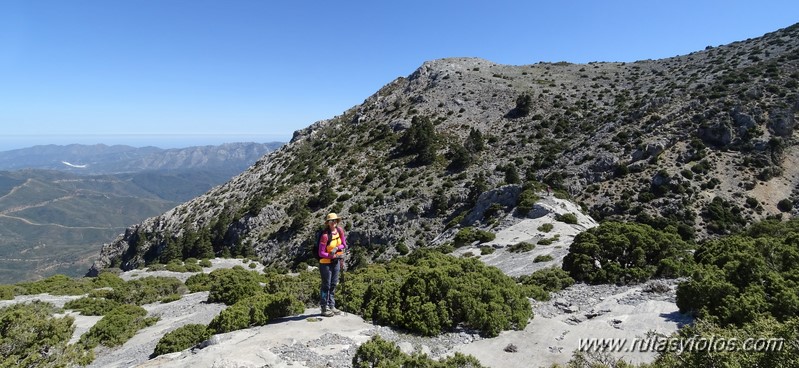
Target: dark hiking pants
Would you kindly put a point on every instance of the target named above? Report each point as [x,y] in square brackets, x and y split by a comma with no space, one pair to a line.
[330,273]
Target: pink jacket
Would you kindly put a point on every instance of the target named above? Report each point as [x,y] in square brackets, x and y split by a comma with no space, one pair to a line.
[326,254]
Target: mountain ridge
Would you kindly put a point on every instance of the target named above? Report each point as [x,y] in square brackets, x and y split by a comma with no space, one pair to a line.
[688,143]
[113,159]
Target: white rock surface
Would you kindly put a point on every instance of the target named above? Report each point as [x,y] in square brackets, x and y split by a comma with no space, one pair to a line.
[526,230]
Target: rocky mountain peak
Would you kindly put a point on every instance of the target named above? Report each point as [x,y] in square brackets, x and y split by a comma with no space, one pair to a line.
[702,142]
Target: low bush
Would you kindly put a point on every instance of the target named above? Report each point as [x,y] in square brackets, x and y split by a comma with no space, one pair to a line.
[6,292]
[551,279]
[568,218]
[743,277]
[542,258]
[782,351]
[785,205]
[32,337]
[402,249]
[181,339]
[175,265]
[229,285]
[469,235]
[527,199]
[117,327]
[549,241]
[428,293]
[146,290]
[64,285]
[521,247]
[486,249]
[256,310]
[545,228]
[622,253]
[90,306]
[723,217]
[304,286]
[199,282]
[205,263]
[378,352]
[170,298]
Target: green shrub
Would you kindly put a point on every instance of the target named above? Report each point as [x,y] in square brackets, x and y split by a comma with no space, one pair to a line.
[304,286]
[156,267]
[193,267]
[199,282]
[527,199]
[89,306]
[170,298]
[469,235]
[551,279]
[568,218]
[117,327]
[256,310]
[181,339]
[175,265]
[378,352]
[425,292]
[206,263]
[146,290]
[723,216]
[486,249]
[542,258]
[521,247]
[58,285]
[545,228]
[64,285]
[743,277]
[402,248]
[785,205]
[6,292]
[32,337]
[781,352]
[626,253]
[549,241]
[229,285]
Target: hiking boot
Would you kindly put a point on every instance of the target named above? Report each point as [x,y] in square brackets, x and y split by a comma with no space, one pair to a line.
[327,313]
[335,311]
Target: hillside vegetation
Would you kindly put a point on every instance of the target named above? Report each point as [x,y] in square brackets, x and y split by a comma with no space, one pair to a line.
[701,143]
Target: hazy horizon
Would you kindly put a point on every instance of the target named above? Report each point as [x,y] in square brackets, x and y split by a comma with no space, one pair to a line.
[164,141]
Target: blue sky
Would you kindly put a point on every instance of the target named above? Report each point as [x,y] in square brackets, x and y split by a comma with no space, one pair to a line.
[172,73]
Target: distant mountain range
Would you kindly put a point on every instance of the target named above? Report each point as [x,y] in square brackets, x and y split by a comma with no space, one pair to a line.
[61,203]
[103,159]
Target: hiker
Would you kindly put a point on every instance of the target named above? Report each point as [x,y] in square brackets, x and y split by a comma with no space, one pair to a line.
[331,248]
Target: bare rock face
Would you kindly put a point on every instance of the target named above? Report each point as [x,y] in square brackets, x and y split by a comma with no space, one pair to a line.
[781,122]
[744,122]
[505,196]
[718,134]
